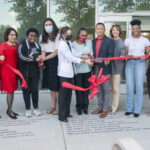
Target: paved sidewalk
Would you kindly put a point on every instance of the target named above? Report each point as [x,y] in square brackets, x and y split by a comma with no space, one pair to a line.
[86,132]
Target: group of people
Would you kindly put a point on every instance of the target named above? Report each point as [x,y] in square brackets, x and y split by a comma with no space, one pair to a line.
[66,61]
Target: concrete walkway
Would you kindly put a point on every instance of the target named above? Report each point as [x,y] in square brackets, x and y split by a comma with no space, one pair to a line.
[86,132]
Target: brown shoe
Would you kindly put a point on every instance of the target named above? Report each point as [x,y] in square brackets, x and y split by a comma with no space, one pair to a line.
[55,112]
[97,111]
[50,110]
[104,114]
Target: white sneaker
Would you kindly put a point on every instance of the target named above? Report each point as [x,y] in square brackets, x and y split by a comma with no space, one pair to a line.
[37,112]
[28,113]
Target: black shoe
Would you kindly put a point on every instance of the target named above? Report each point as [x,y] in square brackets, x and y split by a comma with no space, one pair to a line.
[128,113]
[0,116]
[79,112]
[85,111]
[65,120]
[12,117]
[136,115]
[16,114]
[69,116]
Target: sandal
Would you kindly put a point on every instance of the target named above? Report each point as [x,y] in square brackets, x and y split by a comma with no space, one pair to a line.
[50,110]
[55,112]
[113,112]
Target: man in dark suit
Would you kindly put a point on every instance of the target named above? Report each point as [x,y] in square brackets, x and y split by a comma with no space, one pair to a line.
[103,47]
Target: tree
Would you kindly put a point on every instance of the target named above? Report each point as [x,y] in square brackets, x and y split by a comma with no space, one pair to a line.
[30,13]
[78,13]
[2,31]
[120,6]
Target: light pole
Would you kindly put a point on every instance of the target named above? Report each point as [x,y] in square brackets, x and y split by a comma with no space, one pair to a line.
[48,8]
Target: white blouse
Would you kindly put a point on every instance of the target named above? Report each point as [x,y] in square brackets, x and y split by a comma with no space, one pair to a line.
[50,46]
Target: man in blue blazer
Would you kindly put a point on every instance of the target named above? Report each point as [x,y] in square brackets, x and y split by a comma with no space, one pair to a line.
[103,47]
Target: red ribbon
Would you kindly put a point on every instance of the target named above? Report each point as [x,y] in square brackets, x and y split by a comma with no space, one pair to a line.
[40,63]
[101,78]
[24,84]
[94,84]
[117,58]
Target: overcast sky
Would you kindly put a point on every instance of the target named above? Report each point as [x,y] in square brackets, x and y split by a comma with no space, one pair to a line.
[7,17]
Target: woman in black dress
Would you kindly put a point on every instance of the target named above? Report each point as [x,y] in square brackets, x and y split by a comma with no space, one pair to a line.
[49,42]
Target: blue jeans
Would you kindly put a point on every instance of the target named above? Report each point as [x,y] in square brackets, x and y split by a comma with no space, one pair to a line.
[135,73]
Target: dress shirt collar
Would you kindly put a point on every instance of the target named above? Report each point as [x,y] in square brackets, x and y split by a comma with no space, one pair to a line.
[100,38]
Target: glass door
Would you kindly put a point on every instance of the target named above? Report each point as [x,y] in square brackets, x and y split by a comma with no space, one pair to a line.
[123,21]
[123,26]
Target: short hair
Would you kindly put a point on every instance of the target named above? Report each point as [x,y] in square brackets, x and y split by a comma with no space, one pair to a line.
[135,22]
[7,32]
[118,28]
[79,31]
[32,30]
[100,23]
[64,30]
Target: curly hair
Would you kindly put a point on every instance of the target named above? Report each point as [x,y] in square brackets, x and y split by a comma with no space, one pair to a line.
[32,30]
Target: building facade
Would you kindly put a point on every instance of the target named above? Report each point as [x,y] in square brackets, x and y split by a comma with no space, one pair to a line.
[24,14]
[107,11]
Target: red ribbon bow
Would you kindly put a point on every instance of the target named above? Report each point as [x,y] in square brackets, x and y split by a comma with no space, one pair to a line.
[94,84]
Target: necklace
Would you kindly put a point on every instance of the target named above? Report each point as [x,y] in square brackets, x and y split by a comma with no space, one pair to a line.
[135,41]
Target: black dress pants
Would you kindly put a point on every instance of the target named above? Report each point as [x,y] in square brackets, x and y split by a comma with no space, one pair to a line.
[64,99]
[82,100]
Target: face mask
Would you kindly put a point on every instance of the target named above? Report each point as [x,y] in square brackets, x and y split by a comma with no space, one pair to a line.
[82,39]
[68,37]
[49,29]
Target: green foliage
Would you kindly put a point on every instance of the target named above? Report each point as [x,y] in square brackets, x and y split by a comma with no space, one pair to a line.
[78,13]
[2,31]
[120,6]
[30,13]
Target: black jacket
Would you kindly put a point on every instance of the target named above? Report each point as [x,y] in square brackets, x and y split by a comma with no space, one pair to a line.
[26,64]
[106,50]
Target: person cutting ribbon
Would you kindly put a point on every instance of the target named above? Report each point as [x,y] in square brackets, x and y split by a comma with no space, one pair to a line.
[66,71]
[82,44]
[103,47]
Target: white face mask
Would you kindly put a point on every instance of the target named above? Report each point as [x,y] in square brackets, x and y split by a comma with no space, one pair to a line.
[49,29]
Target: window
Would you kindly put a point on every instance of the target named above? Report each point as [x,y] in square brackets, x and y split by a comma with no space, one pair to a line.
[123,6]
[75,13]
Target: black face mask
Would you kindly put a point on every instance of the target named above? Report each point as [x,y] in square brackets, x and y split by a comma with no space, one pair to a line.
[68,37]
